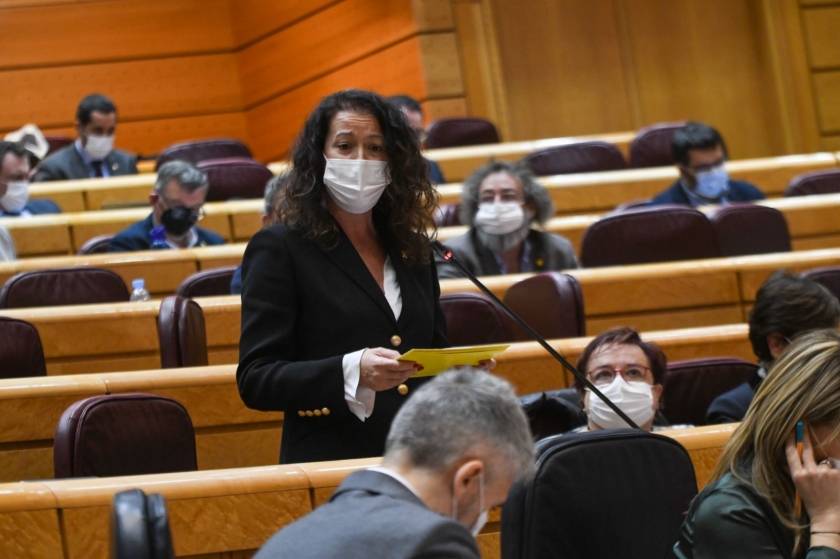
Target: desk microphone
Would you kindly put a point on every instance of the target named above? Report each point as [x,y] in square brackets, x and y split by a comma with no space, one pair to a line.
[447,255]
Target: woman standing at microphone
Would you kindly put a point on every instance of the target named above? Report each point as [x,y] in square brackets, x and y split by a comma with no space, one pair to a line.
[344,285]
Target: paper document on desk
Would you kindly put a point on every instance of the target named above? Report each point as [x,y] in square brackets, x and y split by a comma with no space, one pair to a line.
[436,361]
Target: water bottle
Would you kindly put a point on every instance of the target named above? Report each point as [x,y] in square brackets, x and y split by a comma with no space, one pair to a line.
[139,292]
[159,238]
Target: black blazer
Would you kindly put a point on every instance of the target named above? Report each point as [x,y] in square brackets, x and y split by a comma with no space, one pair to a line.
[303,309]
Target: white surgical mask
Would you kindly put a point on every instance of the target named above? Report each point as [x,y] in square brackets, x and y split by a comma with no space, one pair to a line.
[98,147]
[481,520]
[633,398]
[499,218]
[712,184]
[16,196]
[356,184]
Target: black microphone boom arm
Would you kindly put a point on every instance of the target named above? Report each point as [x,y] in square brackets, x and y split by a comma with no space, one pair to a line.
[447,255]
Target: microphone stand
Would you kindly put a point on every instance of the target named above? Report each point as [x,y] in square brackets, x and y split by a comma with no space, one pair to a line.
[447,255]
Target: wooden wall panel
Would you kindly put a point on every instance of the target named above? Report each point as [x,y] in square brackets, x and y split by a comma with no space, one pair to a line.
[170,87]
[822,34]
[701,61]
[274,125]
[827,94]
[561,68]
[105,31]
[254,19]
[323,43]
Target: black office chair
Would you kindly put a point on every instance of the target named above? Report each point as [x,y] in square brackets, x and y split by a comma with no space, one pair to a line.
[619,493]
[140,527]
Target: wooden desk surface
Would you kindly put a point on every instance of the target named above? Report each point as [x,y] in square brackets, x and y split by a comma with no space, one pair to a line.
[226,513]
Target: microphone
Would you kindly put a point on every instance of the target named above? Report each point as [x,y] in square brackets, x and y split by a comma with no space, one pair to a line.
[447,255]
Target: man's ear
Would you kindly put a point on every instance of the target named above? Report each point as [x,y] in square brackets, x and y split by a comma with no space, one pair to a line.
[777,344]
[466,476]
[153,198]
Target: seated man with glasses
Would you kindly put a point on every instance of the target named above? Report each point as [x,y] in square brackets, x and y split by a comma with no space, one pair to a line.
[501,202]
[626,370]
[177,200]
[700,155]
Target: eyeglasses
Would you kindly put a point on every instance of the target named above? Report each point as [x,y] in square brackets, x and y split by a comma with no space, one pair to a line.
[197,212]
[605,375]
[490,198]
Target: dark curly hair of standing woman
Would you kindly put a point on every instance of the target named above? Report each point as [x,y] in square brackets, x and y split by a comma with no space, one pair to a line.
[407,205]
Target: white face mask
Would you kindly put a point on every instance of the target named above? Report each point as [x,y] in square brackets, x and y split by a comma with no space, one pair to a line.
[499,218]
[17,194]
[481,520]
[356,184]
[98,147]
[633,398]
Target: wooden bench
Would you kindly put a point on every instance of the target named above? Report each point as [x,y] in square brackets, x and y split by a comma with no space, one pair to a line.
[102,338]
[812,222]
[230,435]
[218,514]
[459,162]
[601,192]
[64,234]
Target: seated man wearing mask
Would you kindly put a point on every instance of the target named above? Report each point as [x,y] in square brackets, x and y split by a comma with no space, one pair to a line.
[414,114]
[177,200]
[93,154]
[432,493]
[700,155]
[14,184]
[500,202]
[785,306]
[271,216]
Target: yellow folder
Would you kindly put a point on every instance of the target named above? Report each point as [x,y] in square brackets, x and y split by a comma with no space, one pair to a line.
[436,361]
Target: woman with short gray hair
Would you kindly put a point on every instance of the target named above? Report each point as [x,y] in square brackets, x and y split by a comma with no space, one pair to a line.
[501,202]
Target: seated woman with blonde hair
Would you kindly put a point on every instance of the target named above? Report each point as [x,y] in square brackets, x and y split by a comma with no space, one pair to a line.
[750,508]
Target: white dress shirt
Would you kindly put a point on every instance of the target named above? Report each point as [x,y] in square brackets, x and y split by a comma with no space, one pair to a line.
[359,399]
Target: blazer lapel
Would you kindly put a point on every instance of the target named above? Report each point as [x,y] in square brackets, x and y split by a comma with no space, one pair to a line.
[346,259]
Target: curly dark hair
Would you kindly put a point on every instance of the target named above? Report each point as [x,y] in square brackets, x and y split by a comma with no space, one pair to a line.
[405,210]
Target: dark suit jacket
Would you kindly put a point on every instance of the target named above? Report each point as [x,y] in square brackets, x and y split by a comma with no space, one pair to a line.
[731,407]
[139,237]
[67,164]
[739,191]
[236,281]
[435,174]
[372,515]
[303,309]
[549,252]
[36,207]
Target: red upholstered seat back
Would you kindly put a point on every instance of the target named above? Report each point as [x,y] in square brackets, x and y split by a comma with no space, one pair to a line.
[96,245]
[454,132]
[743,229]
[818,182]
[77,285]
[473,319]
[207,283]
[827,277]
[182,334]
[21,353]
[551,303]
[691,386]
[652,145]
[196,151]
[57,142]
[645,235]
[235,177]
[124,434]
[584,157]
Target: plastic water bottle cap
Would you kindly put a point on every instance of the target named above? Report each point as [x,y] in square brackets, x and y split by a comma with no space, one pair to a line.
[138,284]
